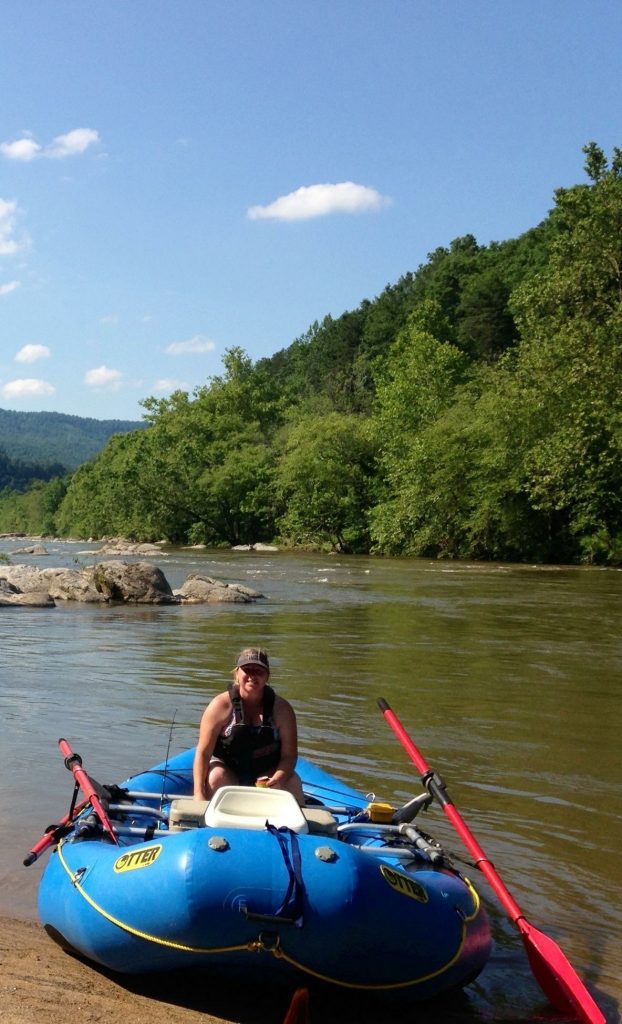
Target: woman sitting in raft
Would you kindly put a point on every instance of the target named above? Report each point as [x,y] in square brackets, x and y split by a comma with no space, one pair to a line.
[247,733]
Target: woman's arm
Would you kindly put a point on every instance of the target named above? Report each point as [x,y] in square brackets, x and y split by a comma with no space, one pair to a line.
[213,719]
[284,719]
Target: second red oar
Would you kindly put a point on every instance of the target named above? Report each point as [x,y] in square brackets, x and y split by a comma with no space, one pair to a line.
[74,763]
[553,972]
[52,835]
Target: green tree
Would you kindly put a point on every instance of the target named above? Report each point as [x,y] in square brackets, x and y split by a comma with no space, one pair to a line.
[484,324]
[413,386]
[33,510]
[324,481]
[569,368]
[178,479]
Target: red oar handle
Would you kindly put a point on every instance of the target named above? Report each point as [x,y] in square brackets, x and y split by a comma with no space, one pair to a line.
[555,975]
[74,763]
[51,835]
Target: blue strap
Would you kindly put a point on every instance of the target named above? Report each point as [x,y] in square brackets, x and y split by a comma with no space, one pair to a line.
[293,904]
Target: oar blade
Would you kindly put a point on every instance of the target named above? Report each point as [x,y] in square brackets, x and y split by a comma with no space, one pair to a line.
[298,1012]
[557,978]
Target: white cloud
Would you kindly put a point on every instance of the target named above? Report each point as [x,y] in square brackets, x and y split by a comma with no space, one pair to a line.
[8,244]
[319,201]
[103,377]
[31,353]
[110,318]
[193,345]
[10,286]
[70,144]
[168,384]
[26,388]
[22,149]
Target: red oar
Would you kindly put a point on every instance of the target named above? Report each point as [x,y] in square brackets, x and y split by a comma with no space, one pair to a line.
[298,1012]
[52,834]
[74,763]
[554,973]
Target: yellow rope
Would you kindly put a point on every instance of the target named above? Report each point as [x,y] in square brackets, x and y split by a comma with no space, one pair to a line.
[380,986]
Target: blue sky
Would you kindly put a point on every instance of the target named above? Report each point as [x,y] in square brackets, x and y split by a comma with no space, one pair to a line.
[181,176]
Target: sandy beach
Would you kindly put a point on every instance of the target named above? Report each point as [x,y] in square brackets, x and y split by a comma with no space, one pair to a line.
[39,981]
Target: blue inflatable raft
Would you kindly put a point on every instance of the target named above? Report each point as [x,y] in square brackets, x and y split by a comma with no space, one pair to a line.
[340,891]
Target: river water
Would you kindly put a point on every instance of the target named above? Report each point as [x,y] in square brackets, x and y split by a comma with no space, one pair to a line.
[508,678]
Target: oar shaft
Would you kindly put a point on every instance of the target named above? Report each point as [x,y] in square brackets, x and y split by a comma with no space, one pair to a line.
[434,784]
[74,763]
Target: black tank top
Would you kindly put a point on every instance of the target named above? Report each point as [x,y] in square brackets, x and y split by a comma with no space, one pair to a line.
[250,750]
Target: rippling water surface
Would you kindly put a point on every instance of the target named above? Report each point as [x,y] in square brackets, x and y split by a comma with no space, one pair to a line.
[509,679]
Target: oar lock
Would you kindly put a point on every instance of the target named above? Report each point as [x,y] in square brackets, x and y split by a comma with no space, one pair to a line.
[72,759]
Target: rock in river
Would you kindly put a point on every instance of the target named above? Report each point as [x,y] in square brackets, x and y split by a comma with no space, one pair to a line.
[113,582]
[200,589]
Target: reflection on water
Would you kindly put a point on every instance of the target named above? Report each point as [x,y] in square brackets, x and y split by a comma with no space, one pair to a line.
[509,679]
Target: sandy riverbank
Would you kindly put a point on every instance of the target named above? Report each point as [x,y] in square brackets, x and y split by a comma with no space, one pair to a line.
[38,981]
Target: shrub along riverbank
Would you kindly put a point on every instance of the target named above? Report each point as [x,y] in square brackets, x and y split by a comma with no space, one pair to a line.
[472,410]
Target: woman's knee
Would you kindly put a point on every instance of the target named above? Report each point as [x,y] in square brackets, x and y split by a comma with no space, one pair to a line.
[294,786]
[219,775]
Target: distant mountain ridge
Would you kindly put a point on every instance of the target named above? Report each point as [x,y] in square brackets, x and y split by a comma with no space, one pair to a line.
[54,437]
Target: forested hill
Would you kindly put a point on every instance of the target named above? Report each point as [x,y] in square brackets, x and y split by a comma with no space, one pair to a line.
[464,290]
[471,410]
[53,438]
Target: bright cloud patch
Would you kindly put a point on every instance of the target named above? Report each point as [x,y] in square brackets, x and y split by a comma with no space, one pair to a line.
[8,244]
[22,149]
[10,286]
[70,144]
[27,388]
[31,353]
[103,377]
[166,385]
[194,345]
[319,201]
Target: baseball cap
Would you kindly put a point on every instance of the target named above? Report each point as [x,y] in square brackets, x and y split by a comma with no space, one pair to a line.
[253,656]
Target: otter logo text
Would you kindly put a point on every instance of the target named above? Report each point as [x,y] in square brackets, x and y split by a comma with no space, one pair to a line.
[404,884]
[137,859]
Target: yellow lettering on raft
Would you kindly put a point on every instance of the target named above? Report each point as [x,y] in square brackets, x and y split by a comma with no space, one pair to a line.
[403,884]
[137,859]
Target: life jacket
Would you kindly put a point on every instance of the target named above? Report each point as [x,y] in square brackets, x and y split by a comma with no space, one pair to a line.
[250,750]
